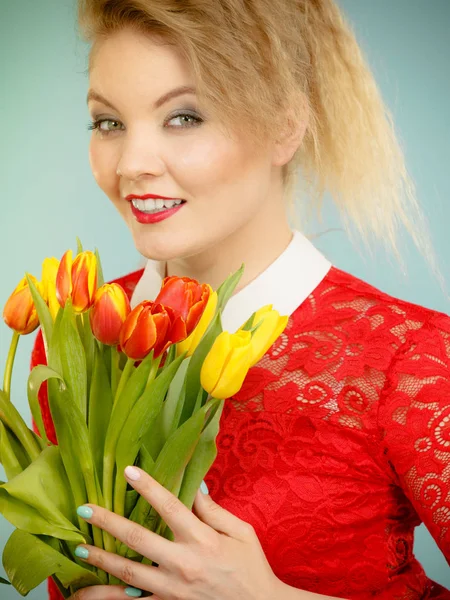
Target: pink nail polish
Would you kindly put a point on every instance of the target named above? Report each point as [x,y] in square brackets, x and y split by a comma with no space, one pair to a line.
[132,473]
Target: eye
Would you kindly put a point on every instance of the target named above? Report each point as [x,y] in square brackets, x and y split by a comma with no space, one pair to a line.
[194,120]
[97,124]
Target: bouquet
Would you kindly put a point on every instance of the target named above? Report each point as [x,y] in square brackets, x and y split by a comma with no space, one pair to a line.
[143,386]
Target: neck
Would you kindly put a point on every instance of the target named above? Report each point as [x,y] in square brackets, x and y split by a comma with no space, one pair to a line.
[258,244]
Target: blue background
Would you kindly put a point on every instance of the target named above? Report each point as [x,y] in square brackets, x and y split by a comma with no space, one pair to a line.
[50,196]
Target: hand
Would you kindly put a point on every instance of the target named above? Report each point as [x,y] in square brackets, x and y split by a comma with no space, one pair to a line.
[214,555]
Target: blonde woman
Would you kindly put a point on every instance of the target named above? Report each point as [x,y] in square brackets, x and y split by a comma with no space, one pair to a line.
[206,116]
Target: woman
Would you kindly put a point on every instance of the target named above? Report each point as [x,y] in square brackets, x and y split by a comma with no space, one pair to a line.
[338,444]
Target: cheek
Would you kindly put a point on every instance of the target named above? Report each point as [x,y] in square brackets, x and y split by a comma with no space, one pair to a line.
[207,163]
[103,165]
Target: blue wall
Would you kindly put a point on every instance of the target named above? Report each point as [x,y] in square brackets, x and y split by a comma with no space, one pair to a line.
[50,196]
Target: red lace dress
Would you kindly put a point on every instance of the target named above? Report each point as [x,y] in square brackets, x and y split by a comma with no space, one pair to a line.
[338,444]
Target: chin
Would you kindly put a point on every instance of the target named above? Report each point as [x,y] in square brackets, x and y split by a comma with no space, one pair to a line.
[160,248]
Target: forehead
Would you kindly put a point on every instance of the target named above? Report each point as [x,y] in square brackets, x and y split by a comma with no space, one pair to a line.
[145,58]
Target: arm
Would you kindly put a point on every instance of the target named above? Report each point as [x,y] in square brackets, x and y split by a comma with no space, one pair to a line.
[414,422]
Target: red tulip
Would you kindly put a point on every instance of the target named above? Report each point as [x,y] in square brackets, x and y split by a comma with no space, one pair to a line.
[77,280]
[19,312]
[150,326]
[186,297]
[111,308]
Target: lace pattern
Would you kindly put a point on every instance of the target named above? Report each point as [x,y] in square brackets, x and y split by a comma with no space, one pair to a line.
[338,444]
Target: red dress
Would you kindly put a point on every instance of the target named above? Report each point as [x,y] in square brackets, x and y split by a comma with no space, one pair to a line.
[338,444]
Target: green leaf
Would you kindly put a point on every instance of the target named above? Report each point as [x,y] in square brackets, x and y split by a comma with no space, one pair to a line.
[73,443]
[10,416]
[146,461]
[100,277]
[38,500]
[100,407]
[43,312]
[79,246]
[126,400]
[29,560]
[202,459]
[38,375]
[225,291]
[169,467]
[73,359]
[174,402]
[139,424]
[197,359]
[4,581]
[9,460]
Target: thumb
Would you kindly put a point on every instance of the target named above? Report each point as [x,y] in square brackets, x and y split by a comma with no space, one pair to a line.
[219,518]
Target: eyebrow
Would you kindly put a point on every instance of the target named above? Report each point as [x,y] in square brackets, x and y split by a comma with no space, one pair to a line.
[179,91]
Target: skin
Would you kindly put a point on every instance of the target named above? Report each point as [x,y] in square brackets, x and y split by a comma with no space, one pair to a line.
[235,213]
[214,554]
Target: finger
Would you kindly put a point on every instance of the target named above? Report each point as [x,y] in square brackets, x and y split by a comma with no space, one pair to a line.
[138,538]
[183,523]
[107,592]
[220,519]
[134,574]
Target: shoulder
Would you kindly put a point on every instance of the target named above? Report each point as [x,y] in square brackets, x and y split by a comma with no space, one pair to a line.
[339,284]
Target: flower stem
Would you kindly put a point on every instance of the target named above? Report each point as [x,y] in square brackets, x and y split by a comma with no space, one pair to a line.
[10,363]
[124,378]
[115,358]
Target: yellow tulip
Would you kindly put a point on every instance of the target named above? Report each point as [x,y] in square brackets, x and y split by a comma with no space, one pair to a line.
[227,363]
[49,270]
[270,328]
[190,343]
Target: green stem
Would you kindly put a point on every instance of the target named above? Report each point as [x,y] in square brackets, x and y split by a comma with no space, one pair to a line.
[97,533]
[115,357]
[120,486]
[10,363]
[109,459]
[124,378]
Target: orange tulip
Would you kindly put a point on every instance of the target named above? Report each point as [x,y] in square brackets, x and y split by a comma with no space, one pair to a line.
[111,308]
[77,280]
[19,312]
[186,297]
[150,326]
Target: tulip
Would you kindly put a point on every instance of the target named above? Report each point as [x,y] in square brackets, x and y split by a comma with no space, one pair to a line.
[227,363]
[77,280]
[111,308]
[270,328]
[190,343]
[49,271]
[186,297]
[19,312]
[150,326]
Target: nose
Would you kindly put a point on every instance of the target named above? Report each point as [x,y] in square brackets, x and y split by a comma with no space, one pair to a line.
[140,156]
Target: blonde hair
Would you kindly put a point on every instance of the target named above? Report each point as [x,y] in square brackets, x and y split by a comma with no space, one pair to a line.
[256,62]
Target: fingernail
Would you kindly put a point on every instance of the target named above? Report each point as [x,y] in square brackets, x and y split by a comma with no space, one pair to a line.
[132,473]
[85,512]
[133,592]
[204,488]
[81,552]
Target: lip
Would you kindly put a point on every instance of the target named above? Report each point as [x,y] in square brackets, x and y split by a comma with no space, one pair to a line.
[154,196]
[146,218]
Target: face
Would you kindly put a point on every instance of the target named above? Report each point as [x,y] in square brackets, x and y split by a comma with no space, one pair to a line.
[172,149]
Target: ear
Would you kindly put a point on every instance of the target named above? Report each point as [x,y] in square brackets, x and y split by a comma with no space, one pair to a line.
[291,136]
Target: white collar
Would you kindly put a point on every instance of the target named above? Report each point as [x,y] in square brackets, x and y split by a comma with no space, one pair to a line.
[285,284]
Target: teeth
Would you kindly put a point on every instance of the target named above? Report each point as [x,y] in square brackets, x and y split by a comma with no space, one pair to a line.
[152,205]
